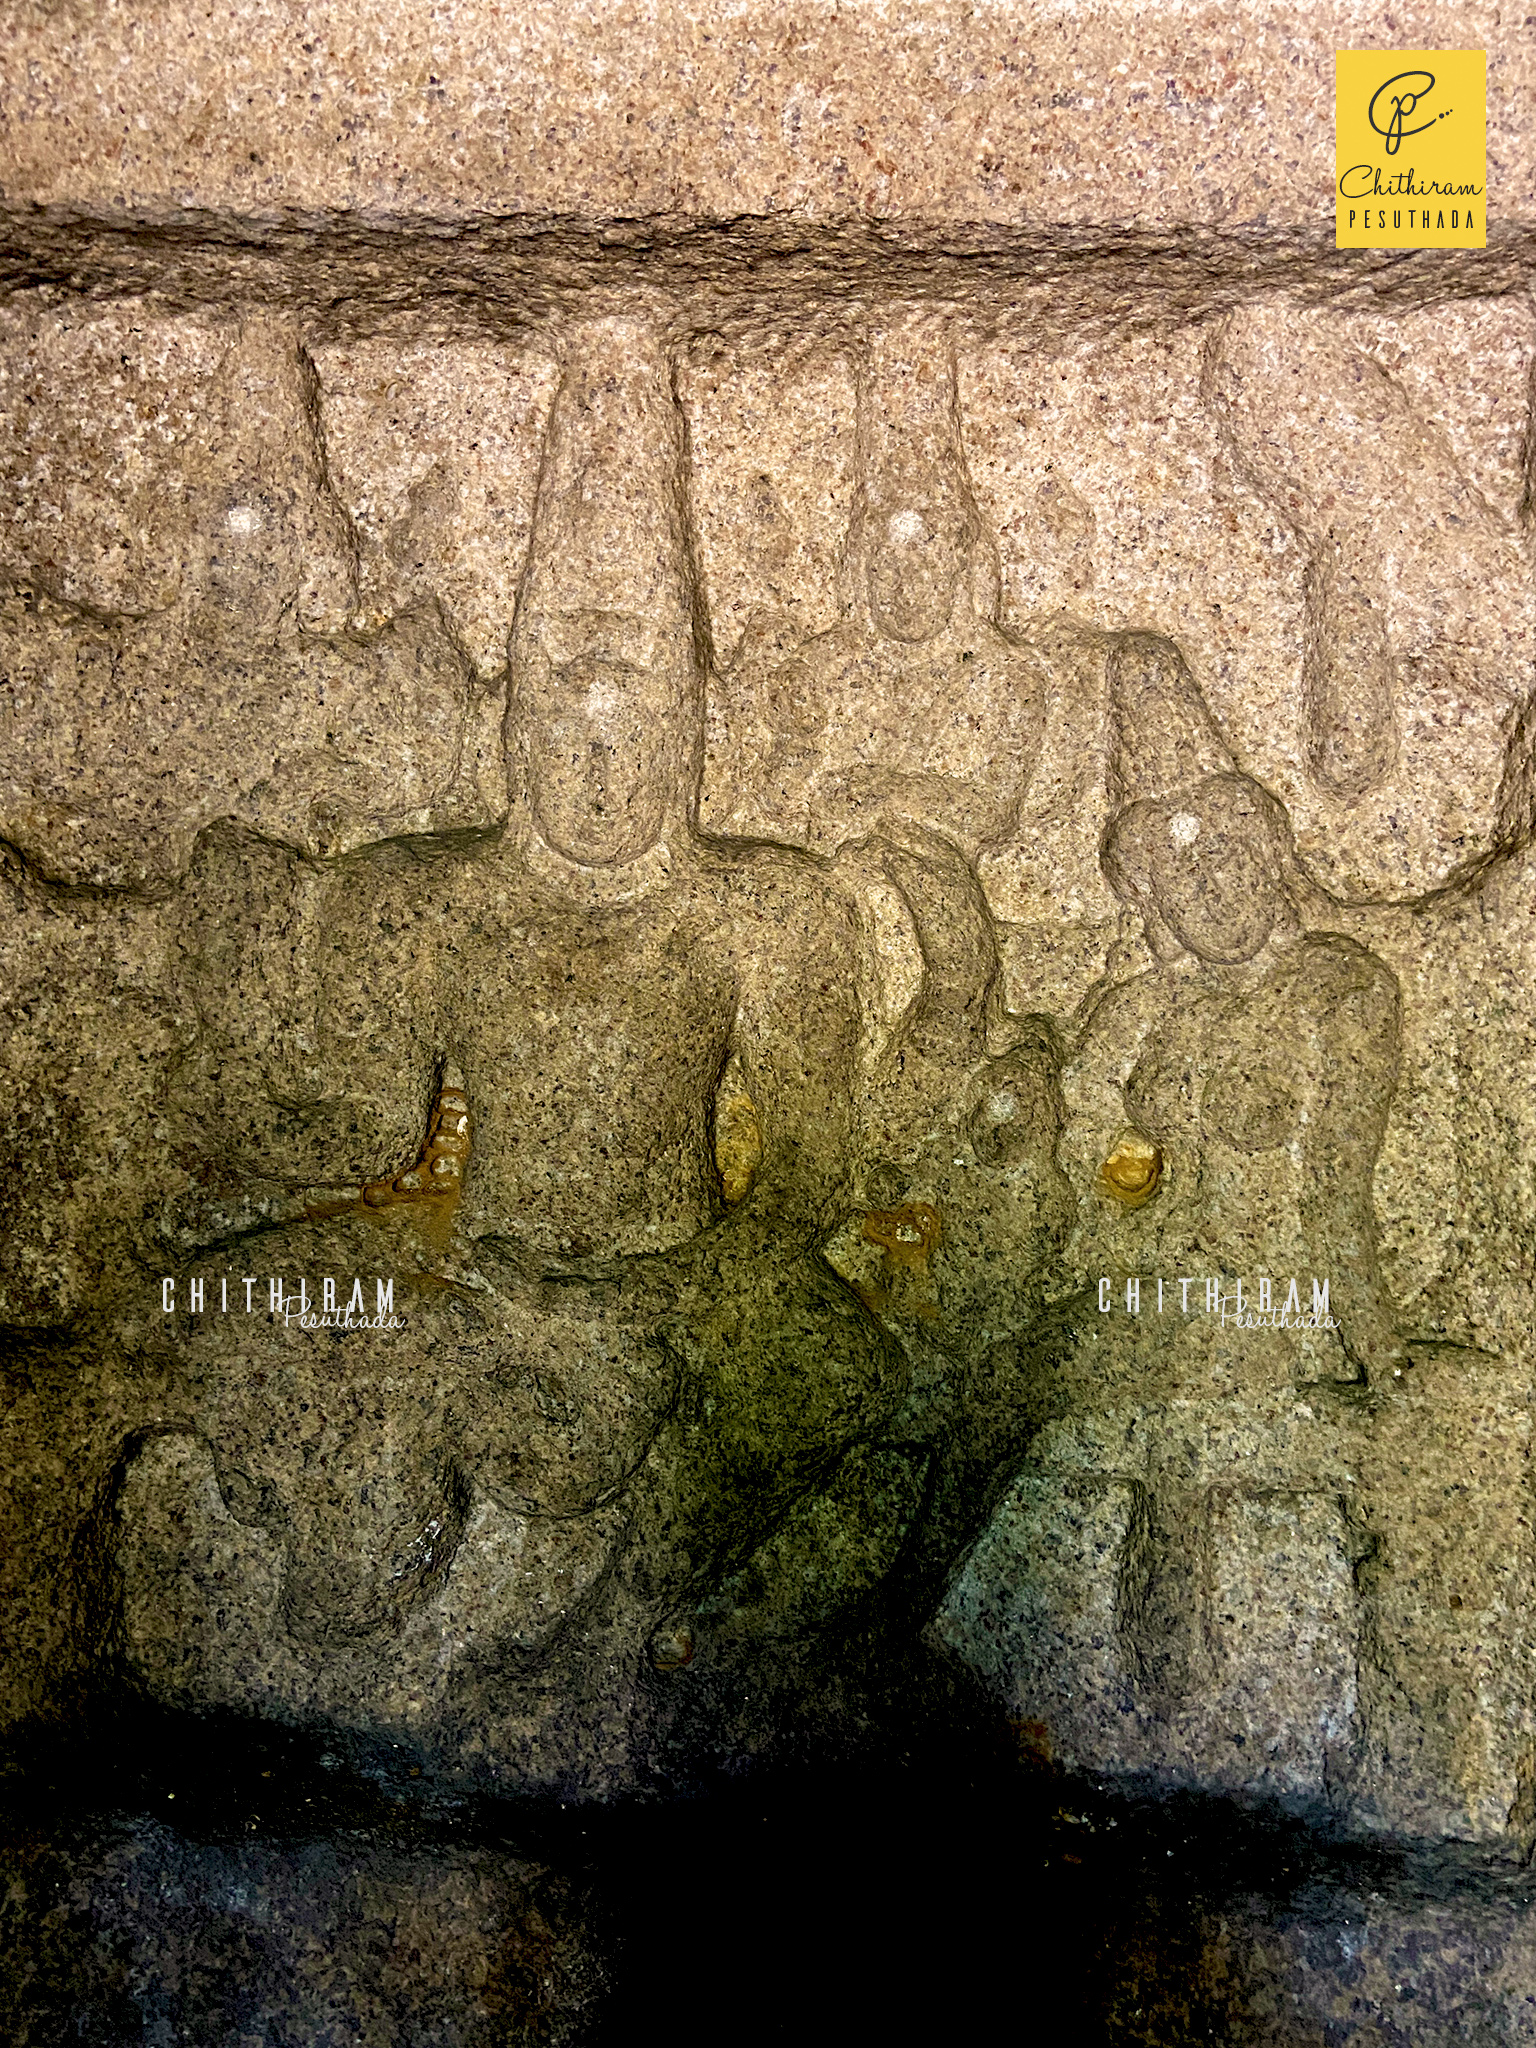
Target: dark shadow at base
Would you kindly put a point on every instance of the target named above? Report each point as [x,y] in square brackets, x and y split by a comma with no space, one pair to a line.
[188,1881]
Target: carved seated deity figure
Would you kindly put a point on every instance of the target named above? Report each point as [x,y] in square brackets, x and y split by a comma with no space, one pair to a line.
[1227,1105]
[917,707]
[585,1091]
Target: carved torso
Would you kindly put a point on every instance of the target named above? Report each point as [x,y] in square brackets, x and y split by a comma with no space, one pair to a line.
[1202,1077]
[591,1043]
[592,1039]
[1266,1098]
[949,729]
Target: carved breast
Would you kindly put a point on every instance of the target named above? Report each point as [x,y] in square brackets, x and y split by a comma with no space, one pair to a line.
[1217,1072]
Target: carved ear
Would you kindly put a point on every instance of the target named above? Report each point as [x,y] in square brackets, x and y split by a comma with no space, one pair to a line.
[1162,941]
[530,671]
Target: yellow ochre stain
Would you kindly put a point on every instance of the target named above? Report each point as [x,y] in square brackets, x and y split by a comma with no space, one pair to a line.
[907,1237]
[429,1189]
[1132,1171]
[738,1135]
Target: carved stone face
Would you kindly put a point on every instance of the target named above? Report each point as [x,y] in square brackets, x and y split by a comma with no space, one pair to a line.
[1215,870]
[602,743]
[915,557]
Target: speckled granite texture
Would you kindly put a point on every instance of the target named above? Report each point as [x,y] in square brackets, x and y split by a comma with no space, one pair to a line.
[767,942]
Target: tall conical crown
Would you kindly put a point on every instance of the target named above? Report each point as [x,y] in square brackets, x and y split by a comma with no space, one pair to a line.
[605,709]
[1163,737]
[608,571]
[909,421]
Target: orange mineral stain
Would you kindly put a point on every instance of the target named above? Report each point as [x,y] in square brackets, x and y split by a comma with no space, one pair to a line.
[431,1186]
[907,1236]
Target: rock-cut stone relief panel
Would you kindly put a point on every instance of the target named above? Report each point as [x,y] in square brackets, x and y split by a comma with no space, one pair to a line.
[630,1365]
[756,915]
[639,1361]
[1340,1104]
[188,645]
[1217,478]
[1225,1110]
[1152,1571]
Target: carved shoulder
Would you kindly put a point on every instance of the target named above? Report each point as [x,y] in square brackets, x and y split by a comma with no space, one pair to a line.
[1330,976]
[781,907]
[1121,1019]
[313,985]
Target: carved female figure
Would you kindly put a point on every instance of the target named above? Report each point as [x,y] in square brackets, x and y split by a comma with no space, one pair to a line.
[1228,1103]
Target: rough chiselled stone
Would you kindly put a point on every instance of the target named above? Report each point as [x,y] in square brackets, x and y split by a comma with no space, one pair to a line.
[766,907]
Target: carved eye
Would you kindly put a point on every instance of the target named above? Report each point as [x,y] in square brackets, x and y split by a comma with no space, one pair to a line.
[1132,1171]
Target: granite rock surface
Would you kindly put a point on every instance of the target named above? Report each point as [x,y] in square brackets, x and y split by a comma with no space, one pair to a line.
[766,899]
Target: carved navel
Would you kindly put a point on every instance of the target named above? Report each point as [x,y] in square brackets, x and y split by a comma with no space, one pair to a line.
[1132,1171]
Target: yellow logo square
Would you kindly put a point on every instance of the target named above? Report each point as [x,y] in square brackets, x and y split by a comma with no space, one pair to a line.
[1411,149]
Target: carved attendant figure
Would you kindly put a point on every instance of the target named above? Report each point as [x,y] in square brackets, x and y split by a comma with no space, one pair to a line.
[252,692]
[917,708]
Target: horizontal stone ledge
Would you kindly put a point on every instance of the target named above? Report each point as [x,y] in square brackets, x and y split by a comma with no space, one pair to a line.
[1009,113]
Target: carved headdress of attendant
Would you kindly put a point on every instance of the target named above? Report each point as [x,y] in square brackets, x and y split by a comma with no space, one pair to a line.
[272,552]
[1203,852]
[918,537]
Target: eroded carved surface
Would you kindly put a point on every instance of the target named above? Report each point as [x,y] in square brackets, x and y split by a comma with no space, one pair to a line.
[815,911]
